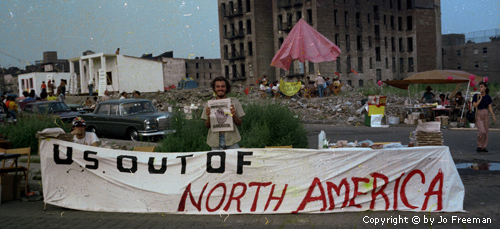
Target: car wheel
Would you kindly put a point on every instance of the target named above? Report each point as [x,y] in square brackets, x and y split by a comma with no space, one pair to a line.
[133,134]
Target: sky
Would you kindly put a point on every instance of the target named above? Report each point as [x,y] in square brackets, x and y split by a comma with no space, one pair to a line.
[189,28]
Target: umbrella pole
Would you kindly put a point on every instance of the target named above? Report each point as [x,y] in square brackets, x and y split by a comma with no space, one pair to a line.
[409,98]
[466,95]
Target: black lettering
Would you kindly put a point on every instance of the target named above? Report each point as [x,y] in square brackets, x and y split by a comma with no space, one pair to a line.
[69,156]
[153,170]
[119,164]
[241,161]
[222,167]
[86,157]
[183,162]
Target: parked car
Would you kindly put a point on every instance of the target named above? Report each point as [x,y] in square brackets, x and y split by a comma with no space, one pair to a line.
[77,108]
[52,108]
[131,118]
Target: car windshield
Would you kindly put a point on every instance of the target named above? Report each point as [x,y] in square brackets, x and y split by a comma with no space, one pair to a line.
[52,108]
[136,107]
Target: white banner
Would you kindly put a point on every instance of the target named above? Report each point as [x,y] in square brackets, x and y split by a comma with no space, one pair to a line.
[102,82]
[258,181]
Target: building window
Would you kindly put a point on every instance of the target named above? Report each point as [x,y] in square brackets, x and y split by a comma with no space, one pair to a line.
[485,50]
[393,64]
[197,75]
[393,44]
[476,64]
[311,67]
[309,17]
[210,75]
[109,78]
[410,64]
[187,75]
[377,54]
[485,64]
[226,71]
[186,65]
[358,43]
[242,68]
[349,82]
[360,64]
[386,63]
[210,65]
[299,15]
[410,44]
[339,69]
[197,66]
[370,41]
[249,27]
[360,82]
[248,8]
[392,23]
[399,4]
[368,18]
[401,44]
[409,23]
[336,38]
[358,22]
[400,23]
[459,52]
[385,42]
[346,16]
[347,43]
[409,4]
[385,20]
[401,65]
[459,66]
[476,51]
[390,4]
[371,63]
[250,49]
[335,17]
[348,62]
[376,16]
[377,33]
[379,74]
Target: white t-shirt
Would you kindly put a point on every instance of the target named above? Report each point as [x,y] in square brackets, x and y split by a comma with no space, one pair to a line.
[88,140]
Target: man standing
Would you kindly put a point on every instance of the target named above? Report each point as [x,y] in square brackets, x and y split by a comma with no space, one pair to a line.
[320,82]
[82,137]
[44,87]
[91,86]
[227,139]
[105,97]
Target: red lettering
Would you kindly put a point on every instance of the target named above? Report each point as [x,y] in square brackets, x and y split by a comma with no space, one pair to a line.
[331,186]
[403,187]
[237,198]
[280,199]
[308,198]
[438,178]
[258,184]
[396,187]
[222,199]
[375,193]
[356,181]
[182,204]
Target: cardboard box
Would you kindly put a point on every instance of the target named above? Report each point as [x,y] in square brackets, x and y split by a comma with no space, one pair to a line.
[7,192]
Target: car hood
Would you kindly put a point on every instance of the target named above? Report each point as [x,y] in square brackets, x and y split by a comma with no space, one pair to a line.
[67,114]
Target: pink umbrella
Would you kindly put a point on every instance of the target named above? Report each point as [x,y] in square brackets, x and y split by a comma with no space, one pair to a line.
[305,43]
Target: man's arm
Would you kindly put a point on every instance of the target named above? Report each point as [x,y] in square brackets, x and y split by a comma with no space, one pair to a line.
[207,121]
[236,119]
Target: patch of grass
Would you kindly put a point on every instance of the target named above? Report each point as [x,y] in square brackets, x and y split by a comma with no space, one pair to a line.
[22,134]
[263,125]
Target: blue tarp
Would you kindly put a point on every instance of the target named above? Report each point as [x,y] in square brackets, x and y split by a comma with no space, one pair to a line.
[187,83]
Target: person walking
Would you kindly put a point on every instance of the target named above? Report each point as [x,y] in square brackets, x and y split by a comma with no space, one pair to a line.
[482,102]
[320,83]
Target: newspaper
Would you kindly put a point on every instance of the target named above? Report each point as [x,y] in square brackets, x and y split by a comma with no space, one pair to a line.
[220,115]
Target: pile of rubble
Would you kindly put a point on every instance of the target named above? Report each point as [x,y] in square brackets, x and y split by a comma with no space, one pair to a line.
[344,109]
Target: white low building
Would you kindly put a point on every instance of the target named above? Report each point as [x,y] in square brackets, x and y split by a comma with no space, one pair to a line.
[116,73]
[33,80]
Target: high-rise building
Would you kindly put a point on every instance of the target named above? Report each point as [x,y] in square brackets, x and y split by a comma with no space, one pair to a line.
[379,39]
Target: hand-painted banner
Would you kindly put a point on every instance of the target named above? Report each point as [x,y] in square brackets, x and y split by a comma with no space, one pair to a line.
[256,181]
[289,88]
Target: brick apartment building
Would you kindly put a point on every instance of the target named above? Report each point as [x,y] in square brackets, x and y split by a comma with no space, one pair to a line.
[379,39]
[477,53]
[203,70]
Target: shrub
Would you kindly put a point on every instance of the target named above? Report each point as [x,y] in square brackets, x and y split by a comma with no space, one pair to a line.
[22,134]
[263,125]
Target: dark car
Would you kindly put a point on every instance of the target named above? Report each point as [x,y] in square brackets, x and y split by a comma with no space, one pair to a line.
[52,108]
[131,118]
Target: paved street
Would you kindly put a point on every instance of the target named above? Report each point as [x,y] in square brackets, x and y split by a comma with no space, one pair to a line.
[481,199]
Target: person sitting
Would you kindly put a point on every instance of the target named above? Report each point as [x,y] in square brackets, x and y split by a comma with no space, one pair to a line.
[443,101]
[428,96]
[124,95]
[51,97]
[88,103]
[265,88]
[458,101]
[82,137]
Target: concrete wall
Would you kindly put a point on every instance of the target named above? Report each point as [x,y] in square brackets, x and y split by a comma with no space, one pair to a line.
[37,78]
[139,74]
[174,70]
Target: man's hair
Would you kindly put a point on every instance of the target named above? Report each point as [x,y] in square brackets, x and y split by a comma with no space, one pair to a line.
[137,92]
[124,93]
[459,93]
[220,78]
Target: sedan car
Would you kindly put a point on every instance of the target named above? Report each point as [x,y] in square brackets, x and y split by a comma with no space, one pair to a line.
[52,108]
[131,118]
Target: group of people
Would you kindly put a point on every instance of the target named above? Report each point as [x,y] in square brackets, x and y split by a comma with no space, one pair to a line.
[319,85]
[49,90]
